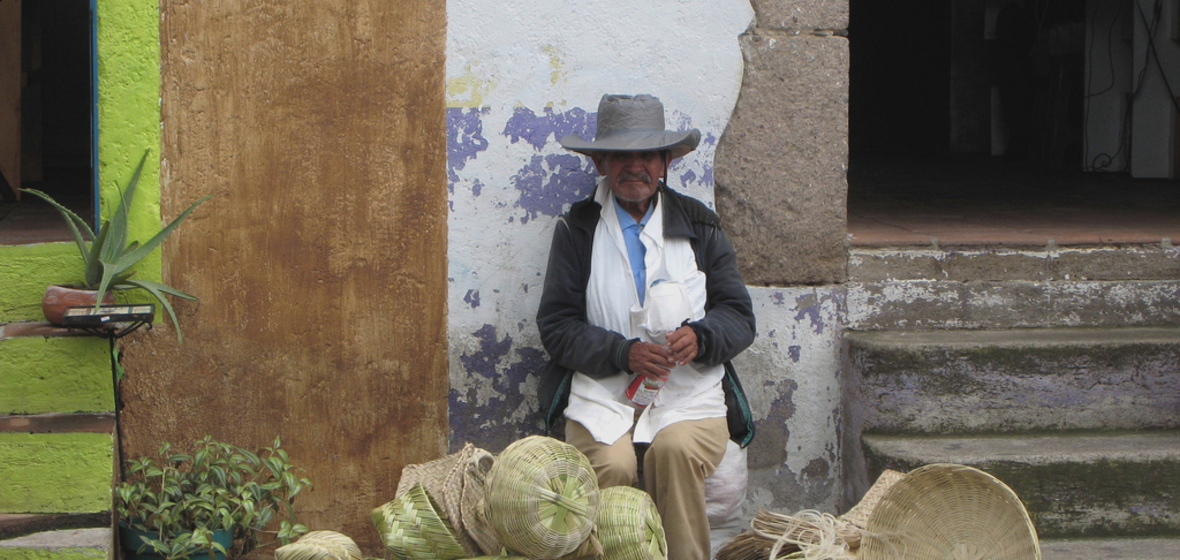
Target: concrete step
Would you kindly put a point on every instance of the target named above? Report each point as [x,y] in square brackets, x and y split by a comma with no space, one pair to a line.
[1160,548]
[1015,380]
[1097,484]
[930,304]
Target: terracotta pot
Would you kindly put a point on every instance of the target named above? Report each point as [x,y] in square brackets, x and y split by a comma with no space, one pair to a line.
[58,297]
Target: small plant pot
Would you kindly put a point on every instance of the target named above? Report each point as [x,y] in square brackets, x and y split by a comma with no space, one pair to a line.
[132,539]
[59,297]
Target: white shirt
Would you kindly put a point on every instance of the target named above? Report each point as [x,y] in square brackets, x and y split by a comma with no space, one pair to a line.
[693,391]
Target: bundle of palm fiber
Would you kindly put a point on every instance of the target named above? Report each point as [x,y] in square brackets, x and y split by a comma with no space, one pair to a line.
[629,526]
[456,482]
[808,534]
[320,545]
[413,527]
[541,498]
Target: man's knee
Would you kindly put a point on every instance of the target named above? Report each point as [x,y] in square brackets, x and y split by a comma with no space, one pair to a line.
[615,469]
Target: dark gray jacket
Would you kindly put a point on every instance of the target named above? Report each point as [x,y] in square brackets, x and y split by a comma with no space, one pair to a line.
[576,345]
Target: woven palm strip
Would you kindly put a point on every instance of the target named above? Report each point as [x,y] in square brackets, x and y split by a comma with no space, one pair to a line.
[541,498]
[950,511]
[445,479]
[770,528]
[859,514]
[785,535]
[413,527]
[320,545]
[629,526]
[475,523]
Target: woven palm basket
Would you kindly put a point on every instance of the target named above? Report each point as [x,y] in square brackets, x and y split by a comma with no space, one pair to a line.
[456,482]
[320,545]
[629,526]
[541,498]
[946,511]
[413,527]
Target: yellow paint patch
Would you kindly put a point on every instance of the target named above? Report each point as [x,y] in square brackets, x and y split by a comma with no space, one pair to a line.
[557,72]
[470,88]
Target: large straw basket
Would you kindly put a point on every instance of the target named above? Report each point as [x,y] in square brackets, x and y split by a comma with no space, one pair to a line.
[629,526]
[541,497]
[942,511]
[413,527]
[320,545]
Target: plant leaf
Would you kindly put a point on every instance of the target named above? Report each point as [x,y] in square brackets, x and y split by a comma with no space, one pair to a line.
[129,259]
[73,221]
[158,290]
[118,222]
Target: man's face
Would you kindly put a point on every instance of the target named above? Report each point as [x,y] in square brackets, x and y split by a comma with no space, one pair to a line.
[631,176]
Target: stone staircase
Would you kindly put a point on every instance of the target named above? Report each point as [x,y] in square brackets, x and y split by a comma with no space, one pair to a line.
[1059,377]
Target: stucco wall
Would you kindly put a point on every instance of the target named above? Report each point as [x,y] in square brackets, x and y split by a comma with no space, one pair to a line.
[520,75]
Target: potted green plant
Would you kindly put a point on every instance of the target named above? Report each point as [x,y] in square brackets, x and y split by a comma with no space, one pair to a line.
[108,255]
[218,501]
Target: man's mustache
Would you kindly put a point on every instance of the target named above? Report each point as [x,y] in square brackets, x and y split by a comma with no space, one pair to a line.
[635,177]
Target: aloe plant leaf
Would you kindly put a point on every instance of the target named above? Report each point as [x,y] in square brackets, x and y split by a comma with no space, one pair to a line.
[77,225]
[93,259]
[143,250]
[118,223]
[158,290]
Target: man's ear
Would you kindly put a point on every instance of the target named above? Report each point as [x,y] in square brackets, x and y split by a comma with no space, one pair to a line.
[599,162]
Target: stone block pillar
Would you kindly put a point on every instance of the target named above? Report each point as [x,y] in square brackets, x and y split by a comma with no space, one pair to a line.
[781,165]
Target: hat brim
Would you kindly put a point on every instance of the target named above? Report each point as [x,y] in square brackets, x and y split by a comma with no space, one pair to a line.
[677,142]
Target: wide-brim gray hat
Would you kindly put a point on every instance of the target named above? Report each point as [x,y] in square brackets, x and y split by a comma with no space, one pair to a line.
[628,123]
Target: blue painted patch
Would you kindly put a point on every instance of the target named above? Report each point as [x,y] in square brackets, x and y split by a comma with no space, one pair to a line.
[808,306]
[486,425]
[778,298]
[538,129]
[491,351]
[472,298]
[793,352]
[550,182]
[464,138]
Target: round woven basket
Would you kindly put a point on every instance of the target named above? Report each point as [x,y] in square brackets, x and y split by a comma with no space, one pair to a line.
[629,526]
[412,526]
[541,498]
[320,545]
[942,511]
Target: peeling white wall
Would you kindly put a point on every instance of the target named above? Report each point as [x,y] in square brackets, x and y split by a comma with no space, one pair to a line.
[520,75]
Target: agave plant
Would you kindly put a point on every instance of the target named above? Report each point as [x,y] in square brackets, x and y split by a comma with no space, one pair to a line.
[107,254]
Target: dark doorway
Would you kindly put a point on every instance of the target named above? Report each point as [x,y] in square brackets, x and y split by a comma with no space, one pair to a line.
[56,120]
[968,125]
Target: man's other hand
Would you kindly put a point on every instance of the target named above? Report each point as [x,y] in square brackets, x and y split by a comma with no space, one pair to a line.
[682,343]
[646,358]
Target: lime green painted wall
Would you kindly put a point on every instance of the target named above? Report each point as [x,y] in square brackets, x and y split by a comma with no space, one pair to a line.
[55,375]
[71,553]
[128,123]
[56,473]
[25,271]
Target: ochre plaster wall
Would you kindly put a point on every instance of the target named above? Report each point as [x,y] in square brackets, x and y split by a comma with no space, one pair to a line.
[321,260]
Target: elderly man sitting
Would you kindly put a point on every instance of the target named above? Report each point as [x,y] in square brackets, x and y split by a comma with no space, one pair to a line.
[643,308]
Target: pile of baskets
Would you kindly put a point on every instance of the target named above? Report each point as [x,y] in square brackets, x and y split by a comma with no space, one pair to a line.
[937,511]
[539,499]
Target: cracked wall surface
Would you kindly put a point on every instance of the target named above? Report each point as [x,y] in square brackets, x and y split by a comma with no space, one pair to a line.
[520,76]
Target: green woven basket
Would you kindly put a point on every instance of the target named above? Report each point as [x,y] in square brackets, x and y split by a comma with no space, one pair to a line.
[541,498]
[320,545]
[629,526]
[414,528]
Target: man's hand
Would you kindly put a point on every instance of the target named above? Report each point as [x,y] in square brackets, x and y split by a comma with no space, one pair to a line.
[683,345]
[646,358]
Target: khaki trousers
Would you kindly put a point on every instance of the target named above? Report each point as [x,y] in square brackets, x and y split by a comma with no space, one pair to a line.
[675,466]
